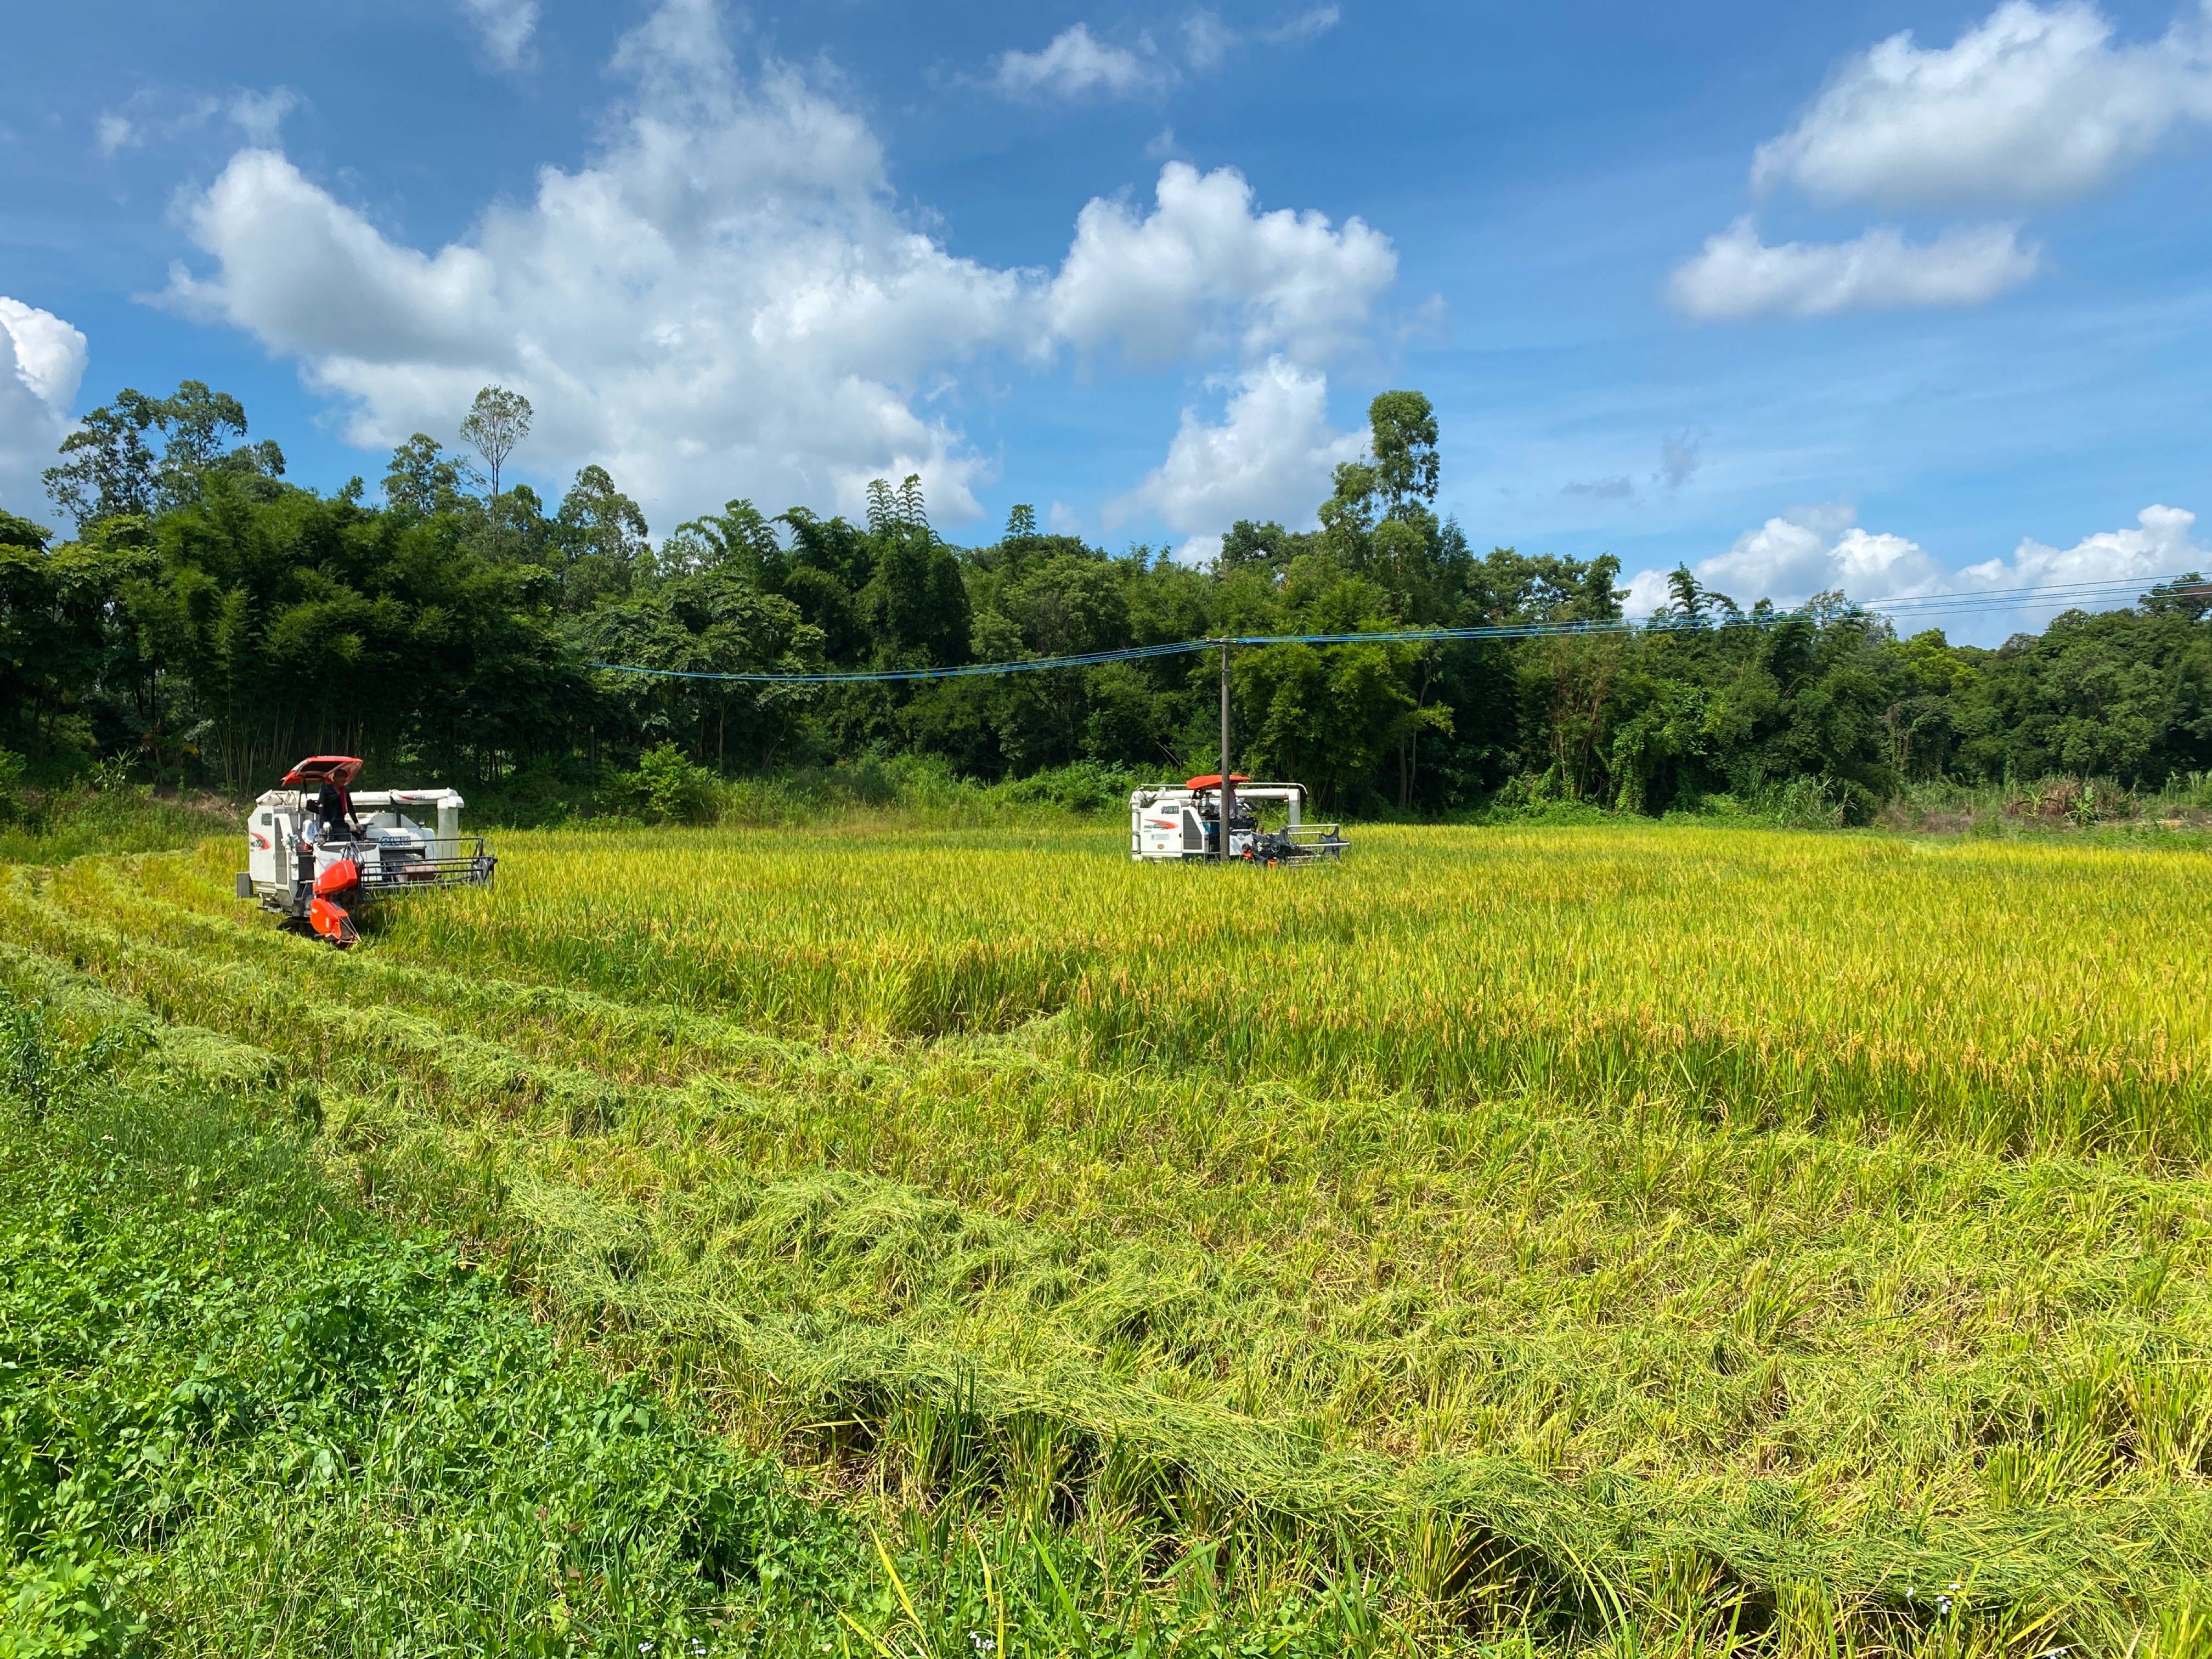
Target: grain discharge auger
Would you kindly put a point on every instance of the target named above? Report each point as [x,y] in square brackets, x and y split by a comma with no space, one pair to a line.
[316,853]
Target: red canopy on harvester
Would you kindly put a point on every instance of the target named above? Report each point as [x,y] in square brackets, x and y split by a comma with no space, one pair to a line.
[340,769]
[1213,781]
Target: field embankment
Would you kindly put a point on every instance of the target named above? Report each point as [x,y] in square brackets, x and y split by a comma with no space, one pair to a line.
[1598,1234]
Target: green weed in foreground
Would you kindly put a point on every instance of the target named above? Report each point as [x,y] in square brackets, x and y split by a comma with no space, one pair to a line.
[237,1415]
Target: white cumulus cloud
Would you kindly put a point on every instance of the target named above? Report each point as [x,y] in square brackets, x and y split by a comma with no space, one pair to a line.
[1206,269]
[1737,275]
[1821,549]
[725,300]
[1076,63]
[2160,545]
[2035,104]
[1804,551]
[42,364]
[1270,457]
[505,27]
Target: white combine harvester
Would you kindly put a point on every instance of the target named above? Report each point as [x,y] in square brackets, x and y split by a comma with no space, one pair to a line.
[1185,823]
[311,874]
[1212,817]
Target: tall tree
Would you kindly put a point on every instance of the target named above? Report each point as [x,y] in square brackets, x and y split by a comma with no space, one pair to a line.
[602,541]
[107,468]
[916,600]
[739,535]
[110,467]
[1686,599]
[421,479]
[712,621]
[497,421]
[194,423]
[1262,544]
[1402,435]
[55,638]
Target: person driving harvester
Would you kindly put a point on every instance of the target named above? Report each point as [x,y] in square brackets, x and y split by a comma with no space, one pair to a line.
[334,818]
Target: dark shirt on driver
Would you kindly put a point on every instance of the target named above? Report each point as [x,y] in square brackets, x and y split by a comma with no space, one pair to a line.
[333,807]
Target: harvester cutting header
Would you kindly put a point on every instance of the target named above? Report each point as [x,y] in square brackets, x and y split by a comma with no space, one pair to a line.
[316,852]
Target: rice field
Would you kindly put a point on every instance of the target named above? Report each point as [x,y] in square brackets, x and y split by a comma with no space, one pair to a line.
[1594,1236]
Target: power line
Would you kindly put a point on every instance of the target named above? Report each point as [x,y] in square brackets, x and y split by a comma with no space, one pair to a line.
[2062,595]
[1134,653]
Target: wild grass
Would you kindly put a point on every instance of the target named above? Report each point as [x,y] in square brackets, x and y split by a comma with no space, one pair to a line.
[2082,807]
[1645,1233]
[114,817]
[241,1415]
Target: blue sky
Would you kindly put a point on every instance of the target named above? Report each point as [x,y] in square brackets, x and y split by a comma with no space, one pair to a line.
[1895,297]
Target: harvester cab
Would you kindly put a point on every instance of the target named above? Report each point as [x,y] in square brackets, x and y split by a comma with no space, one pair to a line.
[1185,823]
[319,870]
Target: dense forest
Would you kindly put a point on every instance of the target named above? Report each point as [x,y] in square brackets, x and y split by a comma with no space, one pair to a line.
[208,622]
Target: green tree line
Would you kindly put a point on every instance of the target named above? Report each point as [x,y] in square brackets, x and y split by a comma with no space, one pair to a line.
[209,622]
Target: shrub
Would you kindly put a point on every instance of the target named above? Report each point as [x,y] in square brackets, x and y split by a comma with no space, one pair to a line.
[666,788]
[1807,803]
[1084,786]
[50,1609]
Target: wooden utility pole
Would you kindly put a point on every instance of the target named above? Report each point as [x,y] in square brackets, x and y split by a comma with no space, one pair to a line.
[1228,789]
